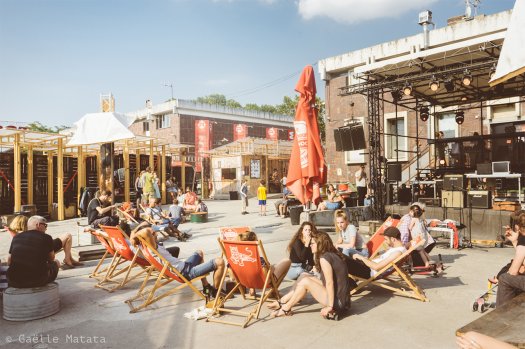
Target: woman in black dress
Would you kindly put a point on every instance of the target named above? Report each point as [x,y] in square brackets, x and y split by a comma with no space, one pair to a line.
[331,291]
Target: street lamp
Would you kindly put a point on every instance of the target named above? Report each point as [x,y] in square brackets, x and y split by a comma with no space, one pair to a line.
[170,86]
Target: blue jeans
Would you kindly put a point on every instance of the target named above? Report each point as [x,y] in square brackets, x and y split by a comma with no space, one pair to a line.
[295,270]
[351,251]
[193,266]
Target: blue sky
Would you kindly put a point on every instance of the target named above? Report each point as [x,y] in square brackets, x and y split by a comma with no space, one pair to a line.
[58,56]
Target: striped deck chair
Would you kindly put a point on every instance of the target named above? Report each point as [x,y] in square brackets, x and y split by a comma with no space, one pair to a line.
[231,233]
[251,269]
[167,274]
[394,278]
[123,252]
[376,242]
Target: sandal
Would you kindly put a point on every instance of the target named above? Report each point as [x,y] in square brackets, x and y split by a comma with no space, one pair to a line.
[273,306]
[281,312]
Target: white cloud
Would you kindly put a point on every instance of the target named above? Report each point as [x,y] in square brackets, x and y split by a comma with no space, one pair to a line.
[353,11]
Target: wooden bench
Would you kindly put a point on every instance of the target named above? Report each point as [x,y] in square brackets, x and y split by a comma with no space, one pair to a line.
[504,323]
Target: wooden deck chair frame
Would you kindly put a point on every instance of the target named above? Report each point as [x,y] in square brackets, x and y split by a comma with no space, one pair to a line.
[402,282]
[123,253]
[110,251]
[270,286]
[231,233]
[167,274]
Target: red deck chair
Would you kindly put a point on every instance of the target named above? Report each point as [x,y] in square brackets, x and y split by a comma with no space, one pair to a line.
[123,252]
[244,261]
[394,278]
[375,244]
[110,251]
[167,274]
[231,233]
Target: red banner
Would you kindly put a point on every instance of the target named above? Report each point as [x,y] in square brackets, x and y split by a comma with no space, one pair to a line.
[240,131]
[272,133]
[202,142]
[291,134]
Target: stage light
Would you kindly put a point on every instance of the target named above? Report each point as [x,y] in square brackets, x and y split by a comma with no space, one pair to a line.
[449,85]
[407,89]
[434,84]
[396,95]
[467,78]
[424,113]
[460,117]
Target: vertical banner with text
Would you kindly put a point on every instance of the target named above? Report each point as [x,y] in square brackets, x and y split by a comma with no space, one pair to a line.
[202,142]
[272,133]
[240,131]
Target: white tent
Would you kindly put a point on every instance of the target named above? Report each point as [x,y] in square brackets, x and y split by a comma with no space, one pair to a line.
[101,128]
[511,61]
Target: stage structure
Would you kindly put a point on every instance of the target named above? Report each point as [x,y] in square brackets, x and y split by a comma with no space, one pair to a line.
[448,73]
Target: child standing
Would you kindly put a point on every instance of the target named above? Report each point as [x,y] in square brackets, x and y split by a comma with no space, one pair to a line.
[261,196]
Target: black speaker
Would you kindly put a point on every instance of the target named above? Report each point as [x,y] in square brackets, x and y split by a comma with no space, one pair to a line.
[346,138]
[338,141]
[393,172]
[479,199]
[358,137]
[453,182]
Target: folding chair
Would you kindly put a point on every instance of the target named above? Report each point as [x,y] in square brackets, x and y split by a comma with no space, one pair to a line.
[123,253]
[376,241]
[394,274]
[167,274]
[244,261]
[109,251]
[231,233]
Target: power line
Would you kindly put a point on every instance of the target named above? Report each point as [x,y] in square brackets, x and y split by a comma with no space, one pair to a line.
[272,83]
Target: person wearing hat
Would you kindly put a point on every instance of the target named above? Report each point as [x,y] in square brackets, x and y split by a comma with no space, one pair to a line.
[365,268]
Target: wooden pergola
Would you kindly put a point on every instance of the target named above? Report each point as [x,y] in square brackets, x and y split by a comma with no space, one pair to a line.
[52,144]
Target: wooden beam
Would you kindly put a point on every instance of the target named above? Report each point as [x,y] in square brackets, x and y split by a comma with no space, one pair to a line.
[183,169]
[126,172]
[137,163]
[50,183]
[163,174]
[100,180]
[60,180]
[17,173]
[30,175]
[81,175]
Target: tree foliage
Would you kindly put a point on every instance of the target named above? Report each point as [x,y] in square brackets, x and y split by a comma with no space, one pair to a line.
[287,107]
[37,126]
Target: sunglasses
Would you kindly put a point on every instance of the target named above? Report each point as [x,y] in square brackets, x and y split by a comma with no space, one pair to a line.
[44,224]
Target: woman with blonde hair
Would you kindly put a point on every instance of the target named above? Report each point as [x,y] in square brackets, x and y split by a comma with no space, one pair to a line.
[349,241]
[18,225]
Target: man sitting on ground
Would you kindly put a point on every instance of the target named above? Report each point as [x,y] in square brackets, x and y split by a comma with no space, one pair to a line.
[201,206]
[32,255]
[99,210]
[194,266]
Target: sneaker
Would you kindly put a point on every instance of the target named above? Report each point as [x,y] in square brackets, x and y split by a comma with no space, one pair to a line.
[209,291]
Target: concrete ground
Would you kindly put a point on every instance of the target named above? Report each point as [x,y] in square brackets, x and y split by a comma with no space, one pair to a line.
[93,318]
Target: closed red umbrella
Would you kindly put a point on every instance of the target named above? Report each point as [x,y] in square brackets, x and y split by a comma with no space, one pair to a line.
[307,168]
